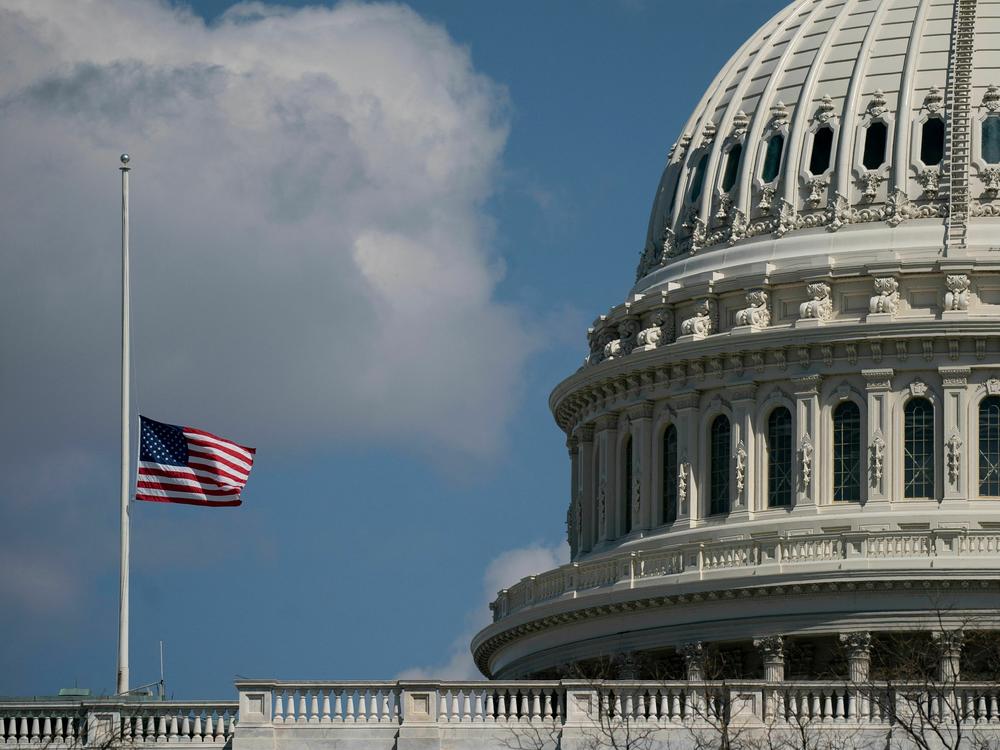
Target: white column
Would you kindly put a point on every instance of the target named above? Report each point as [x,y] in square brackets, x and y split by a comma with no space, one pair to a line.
[585,486]
[606,444]
[772,653]
[744,399]
[807,441]
[958,468]
[877,456]
[688,436]
[574,514]
[949,643]
[643,495]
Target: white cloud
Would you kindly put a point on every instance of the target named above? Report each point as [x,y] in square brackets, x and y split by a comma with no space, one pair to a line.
[503,571]
[310,256]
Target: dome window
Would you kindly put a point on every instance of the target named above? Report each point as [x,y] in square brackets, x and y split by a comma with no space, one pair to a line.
[698,180]
[670,474]
[876,138]
[627,493]
[772,158]
[991,140]
[719,439]
[732,167]
[932,142]
[779,458]
[989,443]
[822,146]
[918,448]
[847,453]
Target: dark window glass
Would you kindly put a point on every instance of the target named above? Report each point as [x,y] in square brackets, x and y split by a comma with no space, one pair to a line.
[932,142]
[819,160]
[918,448]
[847,452]
[678,171]
[627,494]
[772,158]
[719,466]
[699,177]
[732,167]
[779,458]
[875,140]
[670,474]
[989,446]
[991,140]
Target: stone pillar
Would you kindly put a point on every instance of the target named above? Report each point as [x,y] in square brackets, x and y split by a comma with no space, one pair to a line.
[688,437]
[958,470]
[949,644]
[858,648]
[807,436]
[574,514]
[606,445]
[772,652]
[585,486]
[877,456]
[643,500]
[744,400]
[694,660]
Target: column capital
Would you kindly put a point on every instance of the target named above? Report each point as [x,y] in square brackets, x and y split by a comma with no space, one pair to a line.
[643,410]
[857,644]
[807,386]
[584,433]
[572,445]
[607,421]
[771,648]
[954,377]
[949,642]
[878,379]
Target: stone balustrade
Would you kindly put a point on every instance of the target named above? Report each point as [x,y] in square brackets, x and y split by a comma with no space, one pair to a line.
[115,723]
[717,560]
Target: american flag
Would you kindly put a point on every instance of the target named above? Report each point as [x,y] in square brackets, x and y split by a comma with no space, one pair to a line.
[189,466]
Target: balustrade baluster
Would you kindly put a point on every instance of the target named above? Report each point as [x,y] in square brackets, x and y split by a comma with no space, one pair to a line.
[523,710]
[161,727]
[172,728]
[373,706]
[325,718]
[617,704]
[839,712]
[301,716]
[186,725]
[34,728]
[993,708]
[349,714]
[314,706]
[477,708]
[196,735]
[546,705]
[827,706]
[466,705]
[362,705]
[338,705]
[557,705]
[47,729]
[220,727]
[981,714]
[490,706]
[443,704]
[58,729]
[279,707]
[502,705]
[536,705]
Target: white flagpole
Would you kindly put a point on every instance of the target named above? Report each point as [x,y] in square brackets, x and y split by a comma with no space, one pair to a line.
[125,459]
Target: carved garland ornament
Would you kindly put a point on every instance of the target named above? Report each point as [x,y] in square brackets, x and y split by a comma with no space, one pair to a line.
[878,460]
[741,468]
[954,445]
[806,458]
[886,298]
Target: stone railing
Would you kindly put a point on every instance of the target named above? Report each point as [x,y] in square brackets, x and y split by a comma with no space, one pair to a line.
[698,561]
[113,722]
[430,715]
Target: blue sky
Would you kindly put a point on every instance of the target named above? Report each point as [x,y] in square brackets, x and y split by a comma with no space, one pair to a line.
[363,550]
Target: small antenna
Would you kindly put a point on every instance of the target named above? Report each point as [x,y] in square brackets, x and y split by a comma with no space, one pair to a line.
[163,689]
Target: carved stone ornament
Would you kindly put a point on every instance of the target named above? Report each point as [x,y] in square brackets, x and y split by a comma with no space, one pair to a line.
[993,386]
[737,227]
[820,305]
[878,105]
[708,133]
[930,181]
[852,353]
[766,199]
[806,461]
[756,313]
[680,148]
[877,460]
[660,331]
[869,183]
[741,468]
[682,484]
[991,99]
[741,123]
[602,500]
[933,100]
[886,298]
[954,446]
[725,205]
[779,115]
[838,212]
[897,207]
[918,388]
[957,297]
[701,323]
[622,346]
[817,191]
[668,245]
[771,647]
[598,339]
[857,644]
[990,177]
[826,110]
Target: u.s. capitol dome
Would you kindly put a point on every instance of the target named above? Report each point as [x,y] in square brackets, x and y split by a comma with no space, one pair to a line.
[786,440]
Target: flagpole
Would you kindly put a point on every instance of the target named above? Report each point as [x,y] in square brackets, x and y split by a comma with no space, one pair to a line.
[123,605]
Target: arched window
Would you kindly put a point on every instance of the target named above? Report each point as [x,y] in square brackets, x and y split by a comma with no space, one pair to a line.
[991,140]
[779,458]
[732,167]
[918,448]
[875,142]
[989,446]
[670,474]
[822,146]
[847,452]
[932,142]
[772,158]
[699,177]
[718,483]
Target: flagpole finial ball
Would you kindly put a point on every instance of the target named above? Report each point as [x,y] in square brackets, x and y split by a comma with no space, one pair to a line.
[125,158]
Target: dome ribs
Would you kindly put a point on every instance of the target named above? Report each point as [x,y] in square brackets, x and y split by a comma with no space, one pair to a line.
[958,139]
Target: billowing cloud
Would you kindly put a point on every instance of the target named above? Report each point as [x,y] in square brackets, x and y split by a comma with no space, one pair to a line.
[311,260]
[504,570]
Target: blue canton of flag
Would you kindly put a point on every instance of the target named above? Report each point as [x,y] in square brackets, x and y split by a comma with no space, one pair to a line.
[189,466]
